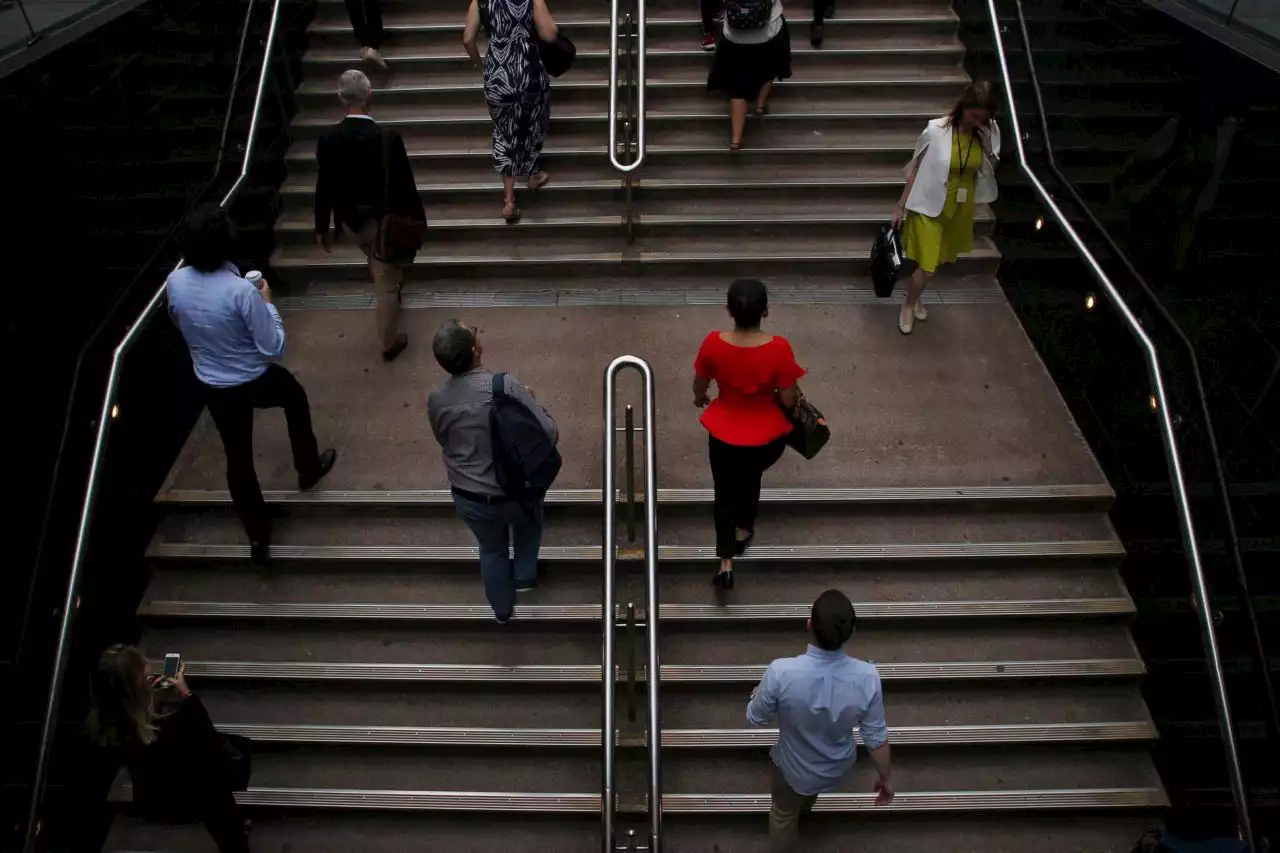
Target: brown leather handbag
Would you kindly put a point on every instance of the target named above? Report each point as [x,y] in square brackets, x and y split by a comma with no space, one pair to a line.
[399,237]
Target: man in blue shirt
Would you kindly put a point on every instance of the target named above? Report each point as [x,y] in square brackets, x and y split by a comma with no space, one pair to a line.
[817,699]
[236,336]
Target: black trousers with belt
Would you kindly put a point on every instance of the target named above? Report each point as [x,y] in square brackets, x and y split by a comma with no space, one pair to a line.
[737,472]
[232,412]
[366,20]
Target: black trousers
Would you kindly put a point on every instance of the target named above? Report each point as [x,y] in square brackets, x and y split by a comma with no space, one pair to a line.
[232,412]
[709,10]
[737,472]
[226,824]
[366,20]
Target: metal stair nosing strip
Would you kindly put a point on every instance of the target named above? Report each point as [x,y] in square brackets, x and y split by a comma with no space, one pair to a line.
[933,801]
[593,553]
[394,800]
[1105,732]
[671,673]
[876,611]
[575,497]
[391,25]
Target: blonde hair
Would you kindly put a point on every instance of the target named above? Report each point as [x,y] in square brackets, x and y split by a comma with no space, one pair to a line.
[122,709]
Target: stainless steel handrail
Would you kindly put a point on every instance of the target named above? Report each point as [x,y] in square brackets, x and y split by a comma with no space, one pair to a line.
[1173,458]
[613,86]
[72,601]
[609,727]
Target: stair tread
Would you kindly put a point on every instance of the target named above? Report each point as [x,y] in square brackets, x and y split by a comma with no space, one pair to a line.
[743,738]
[822,526]
[902,586]
[1010,424]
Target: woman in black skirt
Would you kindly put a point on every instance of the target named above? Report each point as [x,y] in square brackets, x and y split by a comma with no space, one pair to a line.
[749,58]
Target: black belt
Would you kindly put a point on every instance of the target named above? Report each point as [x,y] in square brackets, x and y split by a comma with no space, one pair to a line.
[482,499]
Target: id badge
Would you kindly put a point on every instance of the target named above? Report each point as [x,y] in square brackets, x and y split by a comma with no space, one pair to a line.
[962,195]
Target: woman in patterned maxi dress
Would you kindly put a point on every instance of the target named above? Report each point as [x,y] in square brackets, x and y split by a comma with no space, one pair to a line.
[516,87]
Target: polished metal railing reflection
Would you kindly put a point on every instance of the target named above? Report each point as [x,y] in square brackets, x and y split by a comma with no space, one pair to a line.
[71,603]
[1168,437]
[609,662]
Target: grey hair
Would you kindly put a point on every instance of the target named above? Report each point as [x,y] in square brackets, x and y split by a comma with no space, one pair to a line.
[453,347]
[354,88]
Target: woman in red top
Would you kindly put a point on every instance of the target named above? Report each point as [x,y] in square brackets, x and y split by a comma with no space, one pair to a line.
[755,375]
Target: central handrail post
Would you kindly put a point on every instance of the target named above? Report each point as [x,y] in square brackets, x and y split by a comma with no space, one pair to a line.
[1168,437]
[610,552]
[633,117]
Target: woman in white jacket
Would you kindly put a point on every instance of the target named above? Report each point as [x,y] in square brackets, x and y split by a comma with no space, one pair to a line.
[951,171]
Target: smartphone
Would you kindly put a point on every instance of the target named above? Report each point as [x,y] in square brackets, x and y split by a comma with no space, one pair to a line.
[172,664]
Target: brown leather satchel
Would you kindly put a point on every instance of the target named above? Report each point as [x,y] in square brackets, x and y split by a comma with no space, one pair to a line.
[399,237]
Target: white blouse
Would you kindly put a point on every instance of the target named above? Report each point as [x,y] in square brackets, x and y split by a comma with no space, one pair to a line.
[933,150]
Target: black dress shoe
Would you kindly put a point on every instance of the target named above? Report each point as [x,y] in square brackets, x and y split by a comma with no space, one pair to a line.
[815,35]
[402,341]
[740,546]
[260,553]
[323,465]
[723,580]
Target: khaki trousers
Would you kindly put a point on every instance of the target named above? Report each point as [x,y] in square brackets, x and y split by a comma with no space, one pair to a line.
[785,812]
[387,281]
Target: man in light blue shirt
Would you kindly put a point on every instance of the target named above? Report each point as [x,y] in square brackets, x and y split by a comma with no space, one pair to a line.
[817,700]
[236,336]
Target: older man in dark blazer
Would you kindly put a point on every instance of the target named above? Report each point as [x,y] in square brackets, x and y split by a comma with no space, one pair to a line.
[364,174]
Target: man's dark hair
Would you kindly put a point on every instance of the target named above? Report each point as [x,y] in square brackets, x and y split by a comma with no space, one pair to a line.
[748,302]
[207,238]
[833,619]
[453,346]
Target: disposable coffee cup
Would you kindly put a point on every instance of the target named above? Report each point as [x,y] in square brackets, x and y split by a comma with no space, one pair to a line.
[254,277]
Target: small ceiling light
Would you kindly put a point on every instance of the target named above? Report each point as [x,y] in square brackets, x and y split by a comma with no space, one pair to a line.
[1039,222]
[1090,301]
[1155,407]
[115,411]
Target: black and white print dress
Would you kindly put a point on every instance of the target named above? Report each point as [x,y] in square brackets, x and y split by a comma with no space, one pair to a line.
[517,88]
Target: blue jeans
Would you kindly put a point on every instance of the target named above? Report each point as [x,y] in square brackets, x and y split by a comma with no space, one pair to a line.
[499,528]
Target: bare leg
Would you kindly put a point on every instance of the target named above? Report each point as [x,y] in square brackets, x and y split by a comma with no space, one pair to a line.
[762,99]
[915,288]
[509,211]
[737,119]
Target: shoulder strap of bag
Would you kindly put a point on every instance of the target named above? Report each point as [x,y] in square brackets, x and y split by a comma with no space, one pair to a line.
[483,6]
[499,386]
[386,172]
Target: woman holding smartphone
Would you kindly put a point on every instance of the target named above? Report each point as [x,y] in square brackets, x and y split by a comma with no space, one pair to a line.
[951,171]
[183,770]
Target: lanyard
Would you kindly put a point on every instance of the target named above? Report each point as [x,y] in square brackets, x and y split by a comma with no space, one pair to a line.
[968,155]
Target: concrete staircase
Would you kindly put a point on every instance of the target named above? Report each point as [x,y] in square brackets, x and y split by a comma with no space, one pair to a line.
[957,504]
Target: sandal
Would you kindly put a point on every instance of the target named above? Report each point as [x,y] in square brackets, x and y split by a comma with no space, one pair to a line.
[511,213]
[735,146]
[762,110]
[535,184]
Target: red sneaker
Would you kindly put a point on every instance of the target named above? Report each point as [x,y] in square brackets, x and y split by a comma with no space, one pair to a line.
[708,42]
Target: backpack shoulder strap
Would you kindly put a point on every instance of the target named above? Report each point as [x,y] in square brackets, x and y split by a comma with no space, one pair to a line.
[499,386]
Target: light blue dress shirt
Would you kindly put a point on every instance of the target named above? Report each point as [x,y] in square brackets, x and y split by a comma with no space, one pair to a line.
[817,699]
[232,332]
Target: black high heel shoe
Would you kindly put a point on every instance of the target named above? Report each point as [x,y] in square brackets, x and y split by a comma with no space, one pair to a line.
[723,580]
[740,546]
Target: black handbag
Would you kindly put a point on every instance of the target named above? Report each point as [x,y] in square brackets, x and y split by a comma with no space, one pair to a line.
[399,237]
[886,259]
[558,55]
[809,430]
[238,754]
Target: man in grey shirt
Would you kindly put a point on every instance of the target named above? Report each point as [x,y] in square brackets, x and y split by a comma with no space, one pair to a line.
[459,413]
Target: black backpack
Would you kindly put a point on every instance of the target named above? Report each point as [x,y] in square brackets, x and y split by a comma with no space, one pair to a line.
[886,258]
[748,14]
[524,456]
